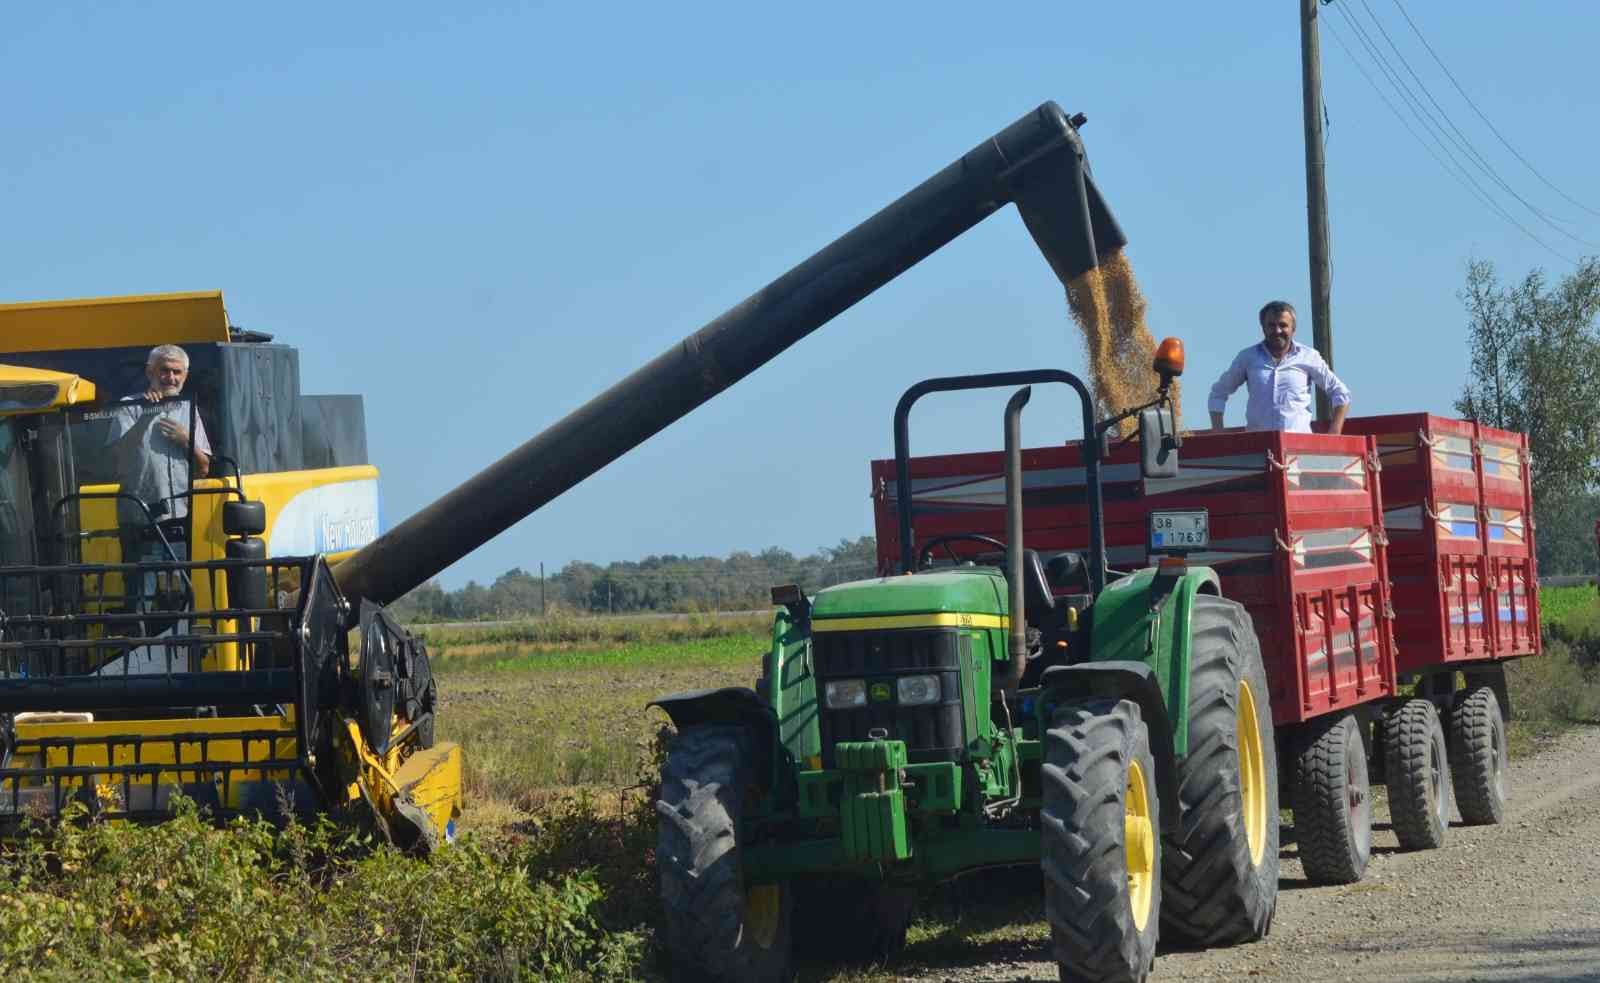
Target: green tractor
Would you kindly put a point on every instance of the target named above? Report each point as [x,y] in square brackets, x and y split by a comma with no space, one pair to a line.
[1112,728]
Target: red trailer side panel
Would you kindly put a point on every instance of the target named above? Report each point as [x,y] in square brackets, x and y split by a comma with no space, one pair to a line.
[1296,537]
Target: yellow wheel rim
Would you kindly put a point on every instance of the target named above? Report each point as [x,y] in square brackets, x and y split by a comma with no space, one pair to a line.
[762,905]
[1139,845]
[1252,775]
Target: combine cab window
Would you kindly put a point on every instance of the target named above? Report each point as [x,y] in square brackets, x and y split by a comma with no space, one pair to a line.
[16,498]
[128,445]
[16,518]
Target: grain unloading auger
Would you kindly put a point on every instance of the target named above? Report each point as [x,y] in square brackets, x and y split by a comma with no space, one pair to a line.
[252,707]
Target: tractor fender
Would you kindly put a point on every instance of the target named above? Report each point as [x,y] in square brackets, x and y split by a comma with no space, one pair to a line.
[1123,680]
[736,705]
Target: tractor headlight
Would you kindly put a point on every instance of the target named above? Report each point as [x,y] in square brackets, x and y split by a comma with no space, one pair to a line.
[916,691]
[843,693]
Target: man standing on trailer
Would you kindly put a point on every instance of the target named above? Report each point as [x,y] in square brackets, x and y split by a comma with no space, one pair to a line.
[1279,374]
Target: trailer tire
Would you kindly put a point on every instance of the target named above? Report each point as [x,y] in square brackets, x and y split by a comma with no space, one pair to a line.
[1417,771]
[1478,756]
[1220,868]
[1332,801]
[1100,821]
[714,928]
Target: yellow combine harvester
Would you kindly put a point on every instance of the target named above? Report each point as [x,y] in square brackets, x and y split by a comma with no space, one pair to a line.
[168,617]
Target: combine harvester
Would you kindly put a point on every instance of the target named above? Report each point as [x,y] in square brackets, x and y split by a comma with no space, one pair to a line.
[196,642]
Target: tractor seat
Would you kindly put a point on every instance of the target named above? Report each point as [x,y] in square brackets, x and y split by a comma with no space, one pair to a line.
[1037,599]
[1067,573]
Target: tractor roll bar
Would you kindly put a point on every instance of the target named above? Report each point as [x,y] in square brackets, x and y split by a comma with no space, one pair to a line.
[1091,456]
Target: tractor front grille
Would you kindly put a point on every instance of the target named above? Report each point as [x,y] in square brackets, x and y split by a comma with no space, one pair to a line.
[932,732]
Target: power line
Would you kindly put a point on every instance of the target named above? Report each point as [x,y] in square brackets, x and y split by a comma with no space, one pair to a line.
[1486,120]
[1462,140]
[1458,171]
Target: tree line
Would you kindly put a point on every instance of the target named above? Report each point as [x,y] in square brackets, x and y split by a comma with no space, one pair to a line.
[738,582]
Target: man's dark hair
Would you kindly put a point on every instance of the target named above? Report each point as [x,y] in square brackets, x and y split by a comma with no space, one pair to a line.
[1275,307]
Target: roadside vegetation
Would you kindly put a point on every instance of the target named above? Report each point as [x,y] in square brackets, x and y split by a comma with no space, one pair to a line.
[1562,687]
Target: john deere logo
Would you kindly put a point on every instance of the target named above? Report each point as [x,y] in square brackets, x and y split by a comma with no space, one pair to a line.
[880,692]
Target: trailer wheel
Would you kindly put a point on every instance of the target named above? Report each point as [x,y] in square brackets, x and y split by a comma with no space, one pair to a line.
[856,920]
[1416,769]
[1100,839]
[1478,756]
[714,926]
[1220,869]
[1332,803]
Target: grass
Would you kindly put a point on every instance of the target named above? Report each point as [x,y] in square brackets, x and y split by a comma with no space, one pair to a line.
[587,633]
[535,722]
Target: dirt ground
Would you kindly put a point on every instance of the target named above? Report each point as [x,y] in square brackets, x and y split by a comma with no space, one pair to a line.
[1519,901]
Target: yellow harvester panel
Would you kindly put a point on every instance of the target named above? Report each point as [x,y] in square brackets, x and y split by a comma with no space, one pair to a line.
[113,322]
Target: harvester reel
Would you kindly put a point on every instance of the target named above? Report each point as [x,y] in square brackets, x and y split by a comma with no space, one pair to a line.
[376,677]
[322,630]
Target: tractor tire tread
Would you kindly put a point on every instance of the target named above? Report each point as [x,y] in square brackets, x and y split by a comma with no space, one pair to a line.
[1213,894]
[697,860]
[1092,926]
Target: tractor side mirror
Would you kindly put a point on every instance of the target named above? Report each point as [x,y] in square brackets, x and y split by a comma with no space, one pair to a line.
[1158,443]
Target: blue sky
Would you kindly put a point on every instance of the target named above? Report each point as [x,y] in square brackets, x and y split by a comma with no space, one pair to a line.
[480,215]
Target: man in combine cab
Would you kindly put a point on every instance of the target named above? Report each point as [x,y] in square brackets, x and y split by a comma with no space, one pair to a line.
[156,459]
[1279,375]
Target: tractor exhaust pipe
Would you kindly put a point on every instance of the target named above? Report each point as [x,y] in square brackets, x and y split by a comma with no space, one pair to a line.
[1038,162]
[1017,598]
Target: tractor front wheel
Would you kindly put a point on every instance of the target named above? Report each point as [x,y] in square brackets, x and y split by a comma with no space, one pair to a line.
[1100,835]
[1478,756]
[715,927]
[1221,866]
[1417,772]
[1332,801]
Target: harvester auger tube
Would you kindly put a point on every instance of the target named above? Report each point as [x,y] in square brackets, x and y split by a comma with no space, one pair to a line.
[1038,163]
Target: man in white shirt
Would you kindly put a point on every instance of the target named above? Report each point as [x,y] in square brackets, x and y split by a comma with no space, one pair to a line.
[1279,375]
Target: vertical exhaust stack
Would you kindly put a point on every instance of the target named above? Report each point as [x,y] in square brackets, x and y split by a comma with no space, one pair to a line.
[1016,596]
[1038,162]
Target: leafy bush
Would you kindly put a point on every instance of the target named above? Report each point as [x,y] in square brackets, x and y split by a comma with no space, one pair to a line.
[185,900]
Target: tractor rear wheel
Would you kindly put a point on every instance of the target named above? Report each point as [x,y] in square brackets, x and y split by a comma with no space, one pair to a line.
[1101,844]
[1416,769]
[1332,803]
[1220,869]
[1478,756]
[715,927]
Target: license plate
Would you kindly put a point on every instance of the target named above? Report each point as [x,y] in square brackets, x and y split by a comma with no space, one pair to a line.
[1177,531]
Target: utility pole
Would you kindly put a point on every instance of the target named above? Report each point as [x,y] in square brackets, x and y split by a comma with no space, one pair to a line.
[541,589]
[1316,193]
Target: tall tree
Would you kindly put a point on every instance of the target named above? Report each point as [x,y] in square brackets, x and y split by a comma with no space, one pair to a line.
[1535,368]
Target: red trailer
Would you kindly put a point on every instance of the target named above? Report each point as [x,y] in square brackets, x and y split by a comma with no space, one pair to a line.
[1376,565]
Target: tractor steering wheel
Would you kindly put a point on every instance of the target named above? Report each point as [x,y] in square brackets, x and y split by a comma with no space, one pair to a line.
[926,555]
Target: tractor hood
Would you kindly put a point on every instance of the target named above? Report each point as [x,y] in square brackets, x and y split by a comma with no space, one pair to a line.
[977,590]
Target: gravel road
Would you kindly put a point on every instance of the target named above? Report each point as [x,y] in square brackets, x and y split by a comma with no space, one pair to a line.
[1519,901]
